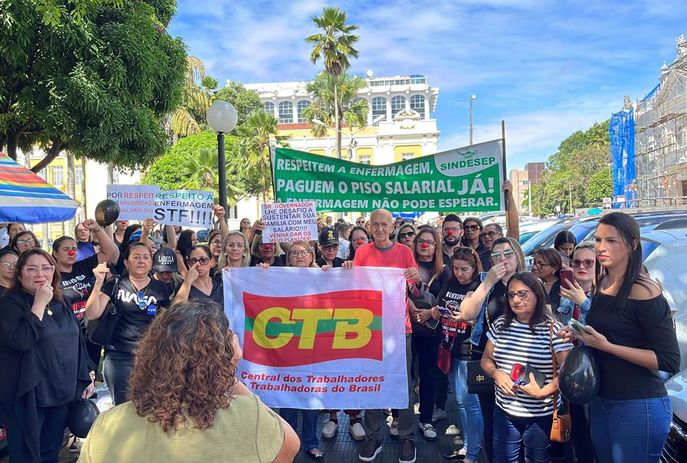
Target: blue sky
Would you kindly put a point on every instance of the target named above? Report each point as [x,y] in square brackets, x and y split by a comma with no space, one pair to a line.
[548,68]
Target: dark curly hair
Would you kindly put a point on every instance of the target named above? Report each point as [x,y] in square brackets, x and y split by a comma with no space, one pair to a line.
[183,366]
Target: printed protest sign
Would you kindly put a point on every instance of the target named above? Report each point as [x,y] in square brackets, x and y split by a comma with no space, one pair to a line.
[320,340]
[136,202]
[464,179]
[289,222]
[188,208]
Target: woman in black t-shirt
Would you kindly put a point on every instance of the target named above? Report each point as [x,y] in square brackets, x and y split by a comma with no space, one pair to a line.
[199,284]
[486,304]
[138,297]
[465,270]
[630,329]
[43,358]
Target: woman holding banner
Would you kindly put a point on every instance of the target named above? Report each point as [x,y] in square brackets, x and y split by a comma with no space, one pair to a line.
[303,256]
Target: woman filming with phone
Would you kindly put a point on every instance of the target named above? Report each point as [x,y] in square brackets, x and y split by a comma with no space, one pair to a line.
[630,330]
[519,356]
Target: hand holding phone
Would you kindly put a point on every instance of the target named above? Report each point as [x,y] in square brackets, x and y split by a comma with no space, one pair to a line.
[567,278]
[577,326]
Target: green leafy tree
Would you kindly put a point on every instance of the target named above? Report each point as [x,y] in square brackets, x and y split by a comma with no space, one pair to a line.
[353,110]
[257,135]
[192,163]
[576,174]
[98,83]
[334,46]
[245,101]
[190,118]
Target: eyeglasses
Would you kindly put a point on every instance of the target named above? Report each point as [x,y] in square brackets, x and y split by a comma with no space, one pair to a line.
[577,263]
[200,260]
[34,270]
[302,253]
[216,243]
[497,256]
[541,264]
[8,265]
[522,294]
[470,227]
[406,235]
[28,242]
[492,234]
[427,242]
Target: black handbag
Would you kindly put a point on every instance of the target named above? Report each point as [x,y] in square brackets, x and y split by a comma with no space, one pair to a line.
[100,331]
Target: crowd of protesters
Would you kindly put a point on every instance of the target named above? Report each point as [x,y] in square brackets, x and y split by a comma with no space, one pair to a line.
[170,360]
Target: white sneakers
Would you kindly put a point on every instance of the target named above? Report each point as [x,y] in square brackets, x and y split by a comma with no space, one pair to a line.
[329,429]
[428,431]
[357,431]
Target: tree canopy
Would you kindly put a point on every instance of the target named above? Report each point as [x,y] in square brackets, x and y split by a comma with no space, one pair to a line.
[94,77]
[577,175]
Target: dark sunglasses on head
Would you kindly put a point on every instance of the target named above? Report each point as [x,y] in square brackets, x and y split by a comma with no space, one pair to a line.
[577,263]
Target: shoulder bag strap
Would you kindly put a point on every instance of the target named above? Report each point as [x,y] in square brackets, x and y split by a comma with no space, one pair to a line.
[555,368]
[435,276]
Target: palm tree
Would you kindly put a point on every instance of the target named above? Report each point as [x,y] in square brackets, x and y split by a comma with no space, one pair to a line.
[353,110]
[334,45]
[257,136]
[190,116]
[203,174]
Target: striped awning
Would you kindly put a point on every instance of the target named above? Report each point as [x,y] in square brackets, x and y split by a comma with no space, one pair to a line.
[25,197]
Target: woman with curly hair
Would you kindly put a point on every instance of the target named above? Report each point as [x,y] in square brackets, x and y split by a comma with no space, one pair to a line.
[186,403]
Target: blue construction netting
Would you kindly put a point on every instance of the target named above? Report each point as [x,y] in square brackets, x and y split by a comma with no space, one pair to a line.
[622,134]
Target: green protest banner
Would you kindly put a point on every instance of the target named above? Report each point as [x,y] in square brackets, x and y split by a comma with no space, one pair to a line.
[463,179]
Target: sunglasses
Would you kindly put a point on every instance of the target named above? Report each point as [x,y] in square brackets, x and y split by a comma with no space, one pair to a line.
[201,260]
[406,235]
[522,294]
[492,234]
[587,263]
[471,228]
[497,256]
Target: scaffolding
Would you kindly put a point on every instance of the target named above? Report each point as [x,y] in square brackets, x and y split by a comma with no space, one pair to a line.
[661,134]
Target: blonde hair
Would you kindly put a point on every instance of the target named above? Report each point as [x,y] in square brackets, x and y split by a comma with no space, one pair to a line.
[223,261]
[305,245]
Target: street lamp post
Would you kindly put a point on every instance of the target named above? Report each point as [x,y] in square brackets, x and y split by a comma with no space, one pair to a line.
[222,119]
[472,99]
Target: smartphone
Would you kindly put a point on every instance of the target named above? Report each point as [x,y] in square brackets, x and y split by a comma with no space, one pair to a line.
[577,325]
[444,311]
[567,278]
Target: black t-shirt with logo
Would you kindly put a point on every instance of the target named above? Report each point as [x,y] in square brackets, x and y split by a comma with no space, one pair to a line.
[78,284]
[451,295]
[135,318]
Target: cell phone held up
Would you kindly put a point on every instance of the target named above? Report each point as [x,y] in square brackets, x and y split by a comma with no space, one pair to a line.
[577,326]
[567,278]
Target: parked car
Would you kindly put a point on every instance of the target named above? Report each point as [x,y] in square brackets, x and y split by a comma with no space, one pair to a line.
[675,449]
[529,229]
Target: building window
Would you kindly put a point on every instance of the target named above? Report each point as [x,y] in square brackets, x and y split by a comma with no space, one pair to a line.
[57,177]
[406,156]
[301,107]
[398,103]
[365,159]
[269,108]
[417,103]
[285,112]
[378,107]
[78,175]
[417,79]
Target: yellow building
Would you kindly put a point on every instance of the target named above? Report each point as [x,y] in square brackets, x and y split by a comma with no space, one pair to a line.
[399,124]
